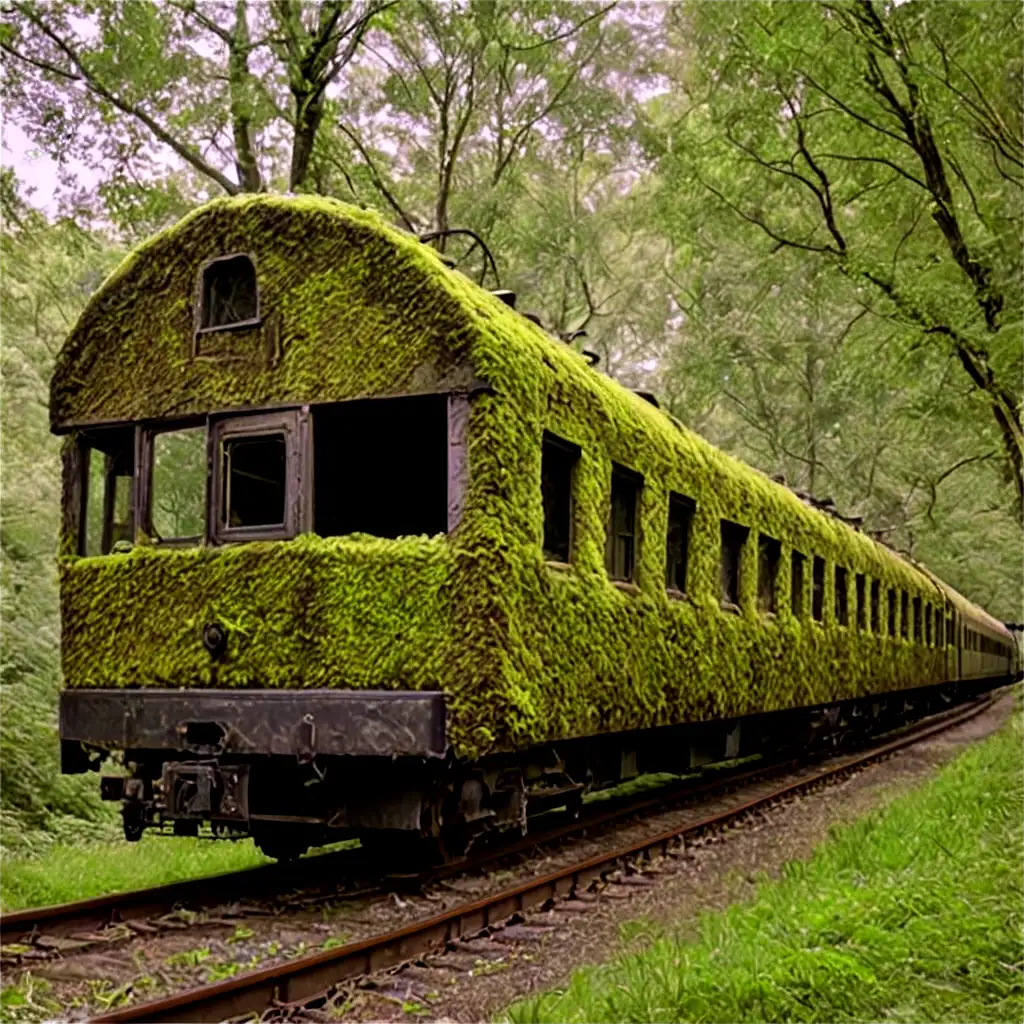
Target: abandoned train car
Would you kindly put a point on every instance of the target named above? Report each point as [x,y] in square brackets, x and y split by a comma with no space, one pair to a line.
[351,548]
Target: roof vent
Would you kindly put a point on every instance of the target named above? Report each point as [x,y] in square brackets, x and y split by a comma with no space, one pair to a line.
[534,319]
[506,296]
[648,396]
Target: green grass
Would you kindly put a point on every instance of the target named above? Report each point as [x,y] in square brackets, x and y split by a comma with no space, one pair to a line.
[913,913]
[64,872]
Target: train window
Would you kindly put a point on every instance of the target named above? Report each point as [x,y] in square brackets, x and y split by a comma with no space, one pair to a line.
[891,603]
[769,553]
[928,625]
[557,463]
[940,621]
[380,466]
[818,589]
[841,593]
[876,589]
[108,510]
[951,629]
[860,588]
[917,620]
[734,537]
[796,591]
[229,294]
[680,522]
[904,614]
[621,549]
[177,490]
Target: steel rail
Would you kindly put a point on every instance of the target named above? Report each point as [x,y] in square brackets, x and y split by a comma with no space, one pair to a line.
[298,981]
[267,880]
[253,883]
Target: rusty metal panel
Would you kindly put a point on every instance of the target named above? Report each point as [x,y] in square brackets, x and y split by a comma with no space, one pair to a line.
[300,724]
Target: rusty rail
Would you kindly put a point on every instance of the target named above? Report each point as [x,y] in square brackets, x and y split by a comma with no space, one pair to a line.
[299,980]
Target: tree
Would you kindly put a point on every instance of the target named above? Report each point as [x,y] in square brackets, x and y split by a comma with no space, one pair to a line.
[214,84]
[884,140]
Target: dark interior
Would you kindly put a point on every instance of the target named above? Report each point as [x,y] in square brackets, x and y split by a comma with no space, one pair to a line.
[620,556]
[557,461]
[381,467]
[680,520]
[255,480]
[769,552]
[229,292]
[733,538]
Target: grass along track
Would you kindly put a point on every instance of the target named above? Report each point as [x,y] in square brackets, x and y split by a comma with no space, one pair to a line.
[35,934]
[298,981]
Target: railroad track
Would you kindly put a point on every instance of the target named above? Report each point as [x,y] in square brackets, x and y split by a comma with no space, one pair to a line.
[296,982]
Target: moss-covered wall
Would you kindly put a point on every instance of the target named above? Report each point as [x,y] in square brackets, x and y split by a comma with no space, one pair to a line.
[355,611]
[336,287]
[527,652]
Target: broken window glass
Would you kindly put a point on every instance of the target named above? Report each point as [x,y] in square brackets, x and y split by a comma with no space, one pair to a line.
[229,293]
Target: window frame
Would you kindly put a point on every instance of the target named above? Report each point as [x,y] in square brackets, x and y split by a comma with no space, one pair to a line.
[145,438]
[689,510]
[294,425]
[817,589]
[631,475]
[199,300]
[875,614]
[768,546]
[572,452]
[742,534]
[841,596]
[80,467]
[797,587]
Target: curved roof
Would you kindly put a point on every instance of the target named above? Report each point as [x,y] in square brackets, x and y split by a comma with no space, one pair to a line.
[351,307]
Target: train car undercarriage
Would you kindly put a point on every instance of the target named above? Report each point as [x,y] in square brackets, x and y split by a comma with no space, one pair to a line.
[296,769]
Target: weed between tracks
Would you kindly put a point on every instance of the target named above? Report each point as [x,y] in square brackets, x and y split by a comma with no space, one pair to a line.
[911,914]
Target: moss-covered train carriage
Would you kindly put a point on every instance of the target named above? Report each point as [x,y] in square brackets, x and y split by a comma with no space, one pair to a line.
[350,546]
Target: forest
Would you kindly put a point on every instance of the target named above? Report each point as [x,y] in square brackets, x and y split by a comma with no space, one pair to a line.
[798,224]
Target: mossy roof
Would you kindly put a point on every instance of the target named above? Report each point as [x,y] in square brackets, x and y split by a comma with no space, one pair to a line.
[353,307]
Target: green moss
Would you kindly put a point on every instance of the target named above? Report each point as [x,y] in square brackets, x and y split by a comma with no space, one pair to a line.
[526,652]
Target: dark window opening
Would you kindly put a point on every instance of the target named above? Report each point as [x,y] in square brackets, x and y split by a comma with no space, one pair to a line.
[928,625]
[769,553]
[254,481]
[860,588]
[557,462]
[842,609]
[818,589]
[680,523]
[621,550]
[940,624]
[876,593]
[381,467]
[108,481]
[917,620]
[891,602]
[177,495]
[904,614]
[796,583]
[229,293]
[734,537]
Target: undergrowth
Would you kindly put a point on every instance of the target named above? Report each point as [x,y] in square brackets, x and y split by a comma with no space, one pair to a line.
[912,913]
